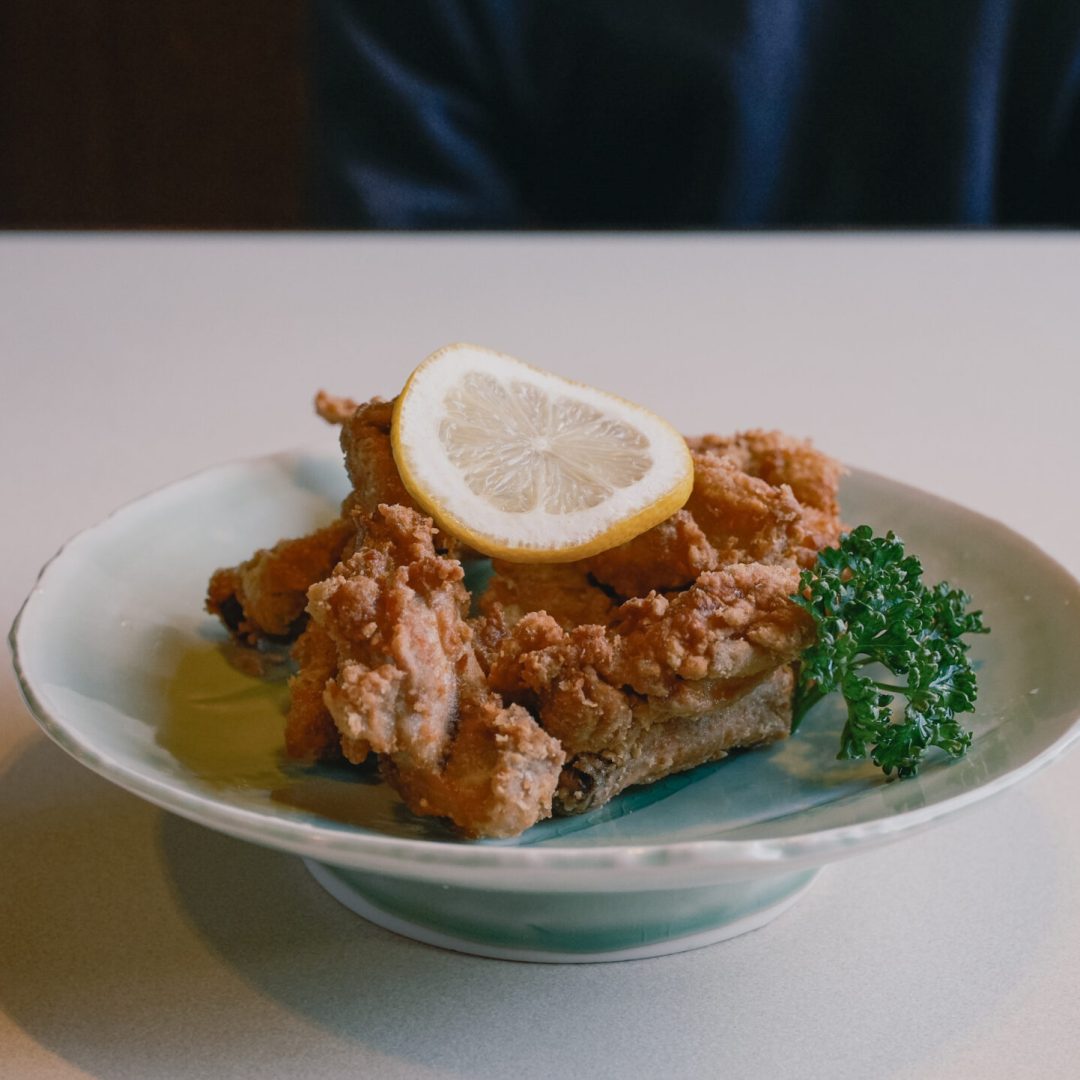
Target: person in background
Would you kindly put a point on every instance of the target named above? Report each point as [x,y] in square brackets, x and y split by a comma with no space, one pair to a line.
[668,114]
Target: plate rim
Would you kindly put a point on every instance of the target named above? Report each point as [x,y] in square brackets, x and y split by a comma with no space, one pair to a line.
[407,856]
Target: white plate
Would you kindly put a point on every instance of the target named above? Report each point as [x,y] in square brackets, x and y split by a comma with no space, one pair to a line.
[123,669]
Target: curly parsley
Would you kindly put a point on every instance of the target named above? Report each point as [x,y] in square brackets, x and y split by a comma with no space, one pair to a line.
[870,606]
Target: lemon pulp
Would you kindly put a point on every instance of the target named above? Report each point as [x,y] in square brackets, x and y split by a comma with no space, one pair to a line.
[524,465]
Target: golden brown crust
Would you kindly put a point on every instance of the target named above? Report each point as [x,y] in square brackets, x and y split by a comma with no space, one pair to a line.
[264,597]
[574,680]
[668,556]
[563,590]
[334,409]
[776,458]
[369,459]
[595,686]
[745,518]
[780,460]
[499,777]
[742,716]
[310,733]
[407,685]
[757,497]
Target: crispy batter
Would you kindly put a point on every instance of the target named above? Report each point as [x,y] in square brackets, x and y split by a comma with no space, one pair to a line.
[395,613]
[745,518]
[657,690]
[758,497]
[557,695]
[668,556]
[264,597]
[740,716]
[563,590]
[500,776]
[408,686]
[365,442]
[335,409]
[731,625]
[779,459]
[369,460]
[310,732]
[489,631]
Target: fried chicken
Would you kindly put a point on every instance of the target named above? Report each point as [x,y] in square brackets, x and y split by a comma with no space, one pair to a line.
[758,497]
[369,460]
[676,664]
[740,716]
[668,556]
[263,599]
[730,624]
[572,681]
[395,612]
[778,460]
[563,590]
[732,515]
[365,442]
[310,732]
[407,685]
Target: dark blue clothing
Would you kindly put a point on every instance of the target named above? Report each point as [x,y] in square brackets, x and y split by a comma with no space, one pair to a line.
[695,113]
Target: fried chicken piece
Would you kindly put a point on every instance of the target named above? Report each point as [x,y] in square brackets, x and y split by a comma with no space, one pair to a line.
[668,556]
[475,720]
[730,517]
[369,460]
[779,459]
[500,777]
[264,597]
[741,716]
[310,732]
[757,497]
[604,692]
[365,442]
[745,518]
[732,624]
[395,613]
[573,700]
[563,590]
[407,684]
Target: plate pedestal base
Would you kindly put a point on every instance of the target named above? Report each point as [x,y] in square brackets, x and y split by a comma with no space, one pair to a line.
[562,927]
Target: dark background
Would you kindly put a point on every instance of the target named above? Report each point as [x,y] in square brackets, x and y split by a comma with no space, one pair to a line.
[152,113]
[564,114]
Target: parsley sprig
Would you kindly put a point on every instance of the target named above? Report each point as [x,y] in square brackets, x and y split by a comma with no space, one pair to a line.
[870,606]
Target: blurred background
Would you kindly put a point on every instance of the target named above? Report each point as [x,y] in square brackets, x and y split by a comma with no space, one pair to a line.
[163,114]
[538,114]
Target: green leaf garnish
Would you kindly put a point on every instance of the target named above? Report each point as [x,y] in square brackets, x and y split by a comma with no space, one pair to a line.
[870,606]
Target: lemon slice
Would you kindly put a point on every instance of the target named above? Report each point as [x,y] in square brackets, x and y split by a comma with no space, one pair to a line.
[526,466]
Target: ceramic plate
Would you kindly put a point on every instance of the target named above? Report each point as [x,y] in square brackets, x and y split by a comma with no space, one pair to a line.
[124,670]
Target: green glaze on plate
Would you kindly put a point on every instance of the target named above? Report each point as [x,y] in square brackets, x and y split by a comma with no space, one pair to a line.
[121,667]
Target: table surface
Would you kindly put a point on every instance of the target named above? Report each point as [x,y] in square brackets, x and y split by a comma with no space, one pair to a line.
[135,944]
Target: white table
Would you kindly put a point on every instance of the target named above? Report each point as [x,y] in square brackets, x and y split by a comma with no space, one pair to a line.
[134,944]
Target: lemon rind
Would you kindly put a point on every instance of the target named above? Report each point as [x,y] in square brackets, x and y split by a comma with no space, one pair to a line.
[620,532]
